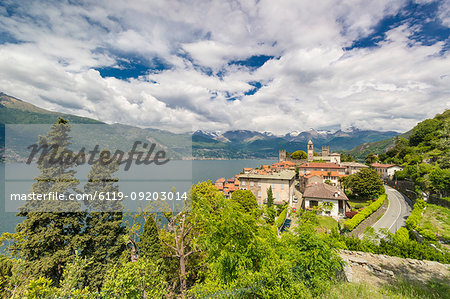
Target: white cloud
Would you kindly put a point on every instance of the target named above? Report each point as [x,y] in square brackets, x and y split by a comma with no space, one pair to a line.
[312,82]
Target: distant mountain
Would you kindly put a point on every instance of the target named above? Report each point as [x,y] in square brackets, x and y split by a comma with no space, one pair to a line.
[256,144]
[200,144]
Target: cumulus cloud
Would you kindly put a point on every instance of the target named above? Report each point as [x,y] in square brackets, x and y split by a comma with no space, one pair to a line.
[55,51]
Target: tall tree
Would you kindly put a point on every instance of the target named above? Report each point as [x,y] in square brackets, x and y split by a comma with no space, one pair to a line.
[149,242]
[245,198]
[371,158]
[50,229]
[104,233]
[270,210]
[365,183]
[269,197]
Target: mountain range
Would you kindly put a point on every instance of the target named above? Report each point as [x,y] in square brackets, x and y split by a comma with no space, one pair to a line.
[200,144]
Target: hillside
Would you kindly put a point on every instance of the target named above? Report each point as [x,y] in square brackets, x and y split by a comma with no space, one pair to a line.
[378,147]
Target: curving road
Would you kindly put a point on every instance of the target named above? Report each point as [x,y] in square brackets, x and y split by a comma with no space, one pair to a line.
[396,213]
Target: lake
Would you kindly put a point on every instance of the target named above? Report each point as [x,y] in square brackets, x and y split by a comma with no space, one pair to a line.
[181,174]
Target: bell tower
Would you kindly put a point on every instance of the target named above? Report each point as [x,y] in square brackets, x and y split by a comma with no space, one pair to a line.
[310,150]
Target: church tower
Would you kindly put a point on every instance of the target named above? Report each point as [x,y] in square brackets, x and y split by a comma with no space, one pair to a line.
[282,155]
[310,150]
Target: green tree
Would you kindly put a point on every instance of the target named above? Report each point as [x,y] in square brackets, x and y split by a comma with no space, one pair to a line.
[50,229]
[245,198]
[103,235]
[299,155]
[440,180]
[6,266]
[366,183]
[347,158]
[371,158]
[270,210]
[149,242]
[425,132]
[269,197]
[140,279]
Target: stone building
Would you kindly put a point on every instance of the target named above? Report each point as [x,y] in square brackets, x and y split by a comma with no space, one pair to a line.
[282,184]
[324,155]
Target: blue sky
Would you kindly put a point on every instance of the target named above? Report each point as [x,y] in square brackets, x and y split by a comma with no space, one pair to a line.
[276,66]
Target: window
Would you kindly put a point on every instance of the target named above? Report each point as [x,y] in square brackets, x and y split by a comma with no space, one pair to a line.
[243,183]
[313,203]
[259,184]
[282,186]
[252,184]
[278,196]
[273,186]
[259,193]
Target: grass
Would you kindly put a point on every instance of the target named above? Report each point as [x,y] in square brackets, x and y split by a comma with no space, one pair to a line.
[358,203]
[327,222]
[437,219]
[402,289]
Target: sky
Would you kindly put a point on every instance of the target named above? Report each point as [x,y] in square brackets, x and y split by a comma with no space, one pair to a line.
[276,66]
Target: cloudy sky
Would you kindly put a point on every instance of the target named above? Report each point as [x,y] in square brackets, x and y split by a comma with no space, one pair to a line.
[264,65]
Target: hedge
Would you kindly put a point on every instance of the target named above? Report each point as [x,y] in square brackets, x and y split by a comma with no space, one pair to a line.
[416,214]
[280,220]
[364,213]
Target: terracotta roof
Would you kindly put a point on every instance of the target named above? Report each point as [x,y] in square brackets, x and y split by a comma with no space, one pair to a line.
[326,173]
[248,169]
[321,165]
[377,165]
[324,191]
[282,175]
[221,180]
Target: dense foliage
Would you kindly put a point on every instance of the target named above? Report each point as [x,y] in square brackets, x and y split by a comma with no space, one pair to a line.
[399,245]
[299,155]
[425,155]
[364,184]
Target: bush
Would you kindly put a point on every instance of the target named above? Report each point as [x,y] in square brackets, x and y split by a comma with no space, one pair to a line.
[363,214]
[416,214]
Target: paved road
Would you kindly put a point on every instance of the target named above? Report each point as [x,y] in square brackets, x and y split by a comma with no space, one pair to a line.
[397,212]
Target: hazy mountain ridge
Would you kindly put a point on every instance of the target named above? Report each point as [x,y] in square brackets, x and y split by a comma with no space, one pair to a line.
[200,144]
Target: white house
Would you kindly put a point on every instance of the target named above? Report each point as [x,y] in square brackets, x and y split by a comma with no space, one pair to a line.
[386,171]
[317,194]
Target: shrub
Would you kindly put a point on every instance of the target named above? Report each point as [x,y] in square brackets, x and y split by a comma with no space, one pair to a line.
[416,214]
[363,214]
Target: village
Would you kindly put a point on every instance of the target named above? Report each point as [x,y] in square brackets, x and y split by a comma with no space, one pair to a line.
[303,183]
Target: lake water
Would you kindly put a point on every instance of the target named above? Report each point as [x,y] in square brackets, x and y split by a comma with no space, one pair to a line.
[181,174]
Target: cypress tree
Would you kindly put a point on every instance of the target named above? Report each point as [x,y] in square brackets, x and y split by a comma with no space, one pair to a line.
[149,242]
[50,229]
[270,211]
[269,197]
